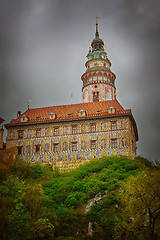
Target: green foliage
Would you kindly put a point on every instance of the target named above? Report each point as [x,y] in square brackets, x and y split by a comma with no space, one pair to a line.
[39,202]
[37,170]
[43,229]
[140,206]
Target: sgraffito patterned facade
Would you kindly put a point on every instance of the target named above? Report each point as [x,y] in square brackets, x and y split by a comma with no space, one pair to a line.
[69,135]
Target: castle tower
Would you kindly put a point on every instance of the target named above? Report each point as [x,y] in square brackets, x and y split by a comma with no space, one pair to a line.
[98,80]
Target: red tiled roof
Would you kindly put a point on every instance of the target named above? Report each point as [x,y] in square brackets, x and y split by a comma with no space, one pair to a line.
[91,109]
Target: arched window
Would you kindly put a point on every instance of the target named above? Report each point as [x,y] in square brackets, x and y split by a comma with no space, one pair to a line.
[46,147]
[103,126]
[103,143]
[124,142]
[65,146]
[47,132]
[83,145]
[83,128]
[65,130]
[28,149]
[95,96]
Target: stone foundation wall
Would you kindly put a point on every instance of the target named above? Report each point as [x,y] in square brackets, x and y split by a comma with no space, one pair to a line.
[68,165]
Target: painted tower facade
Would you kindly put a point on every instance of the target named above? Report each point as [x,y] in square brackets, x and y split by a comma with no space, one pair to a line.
[98,80]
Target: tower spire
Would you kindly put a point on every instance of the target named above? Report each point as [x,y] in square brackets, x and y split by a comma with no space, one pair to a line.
[97,33]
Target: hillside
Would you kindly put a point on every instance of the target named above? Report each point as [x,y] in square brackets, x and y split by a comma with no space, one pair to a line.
[100,200]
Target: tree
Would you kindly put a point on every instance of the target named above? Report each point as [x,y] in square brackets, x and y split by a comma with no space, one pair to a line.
[140,209]
[33,199]
[43,229]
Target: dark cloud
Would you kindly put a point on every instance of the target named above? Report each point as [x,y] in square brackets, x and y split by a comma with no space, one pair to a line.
[43,47]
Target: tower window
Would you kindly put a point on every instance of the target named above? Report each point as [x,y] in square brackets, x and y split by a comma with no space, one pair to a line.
[95,96]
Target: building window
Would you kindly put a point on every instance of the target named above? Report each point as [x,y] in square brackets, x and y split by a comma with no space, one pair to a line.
[74,146]
[46,147]
[28,149]
[83,145]
[55,147]
[111,109]
[56,131]
[103,143]
[28,133]
[37,149]
[83,128]
[46,132]
[74,129]
[95,96]
[124,142]
[113,126]
[19,150]
[12,134]
[103,126]
[20,134]
[114,143]
[38,133]
[93,128]
[65,146]
[93,145]
[65,130]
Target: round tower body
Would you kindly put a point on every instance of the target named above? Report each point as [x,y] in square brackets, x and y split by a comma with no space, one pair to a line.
[98,80]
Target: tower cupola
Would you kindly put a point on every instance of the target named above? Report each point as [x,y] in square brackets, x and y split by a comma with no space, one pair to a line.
[98,80]
[97,43]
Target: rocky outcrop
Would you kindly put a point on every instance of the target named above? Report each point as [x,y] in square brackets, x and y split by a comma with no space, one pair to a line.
[96,199]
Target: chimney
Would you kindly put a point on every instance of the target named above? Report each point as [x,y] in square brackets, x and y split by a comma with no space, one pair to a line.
[18,114]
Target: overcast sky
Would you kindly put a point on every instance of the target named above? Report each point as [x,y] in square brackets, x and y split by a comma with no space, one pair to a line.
[43,48]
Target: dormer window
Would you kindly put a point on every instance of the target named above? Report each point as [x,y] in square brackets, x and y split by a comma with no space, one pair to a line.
[24,118]
[52,115]
[81,112]
[111,109]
